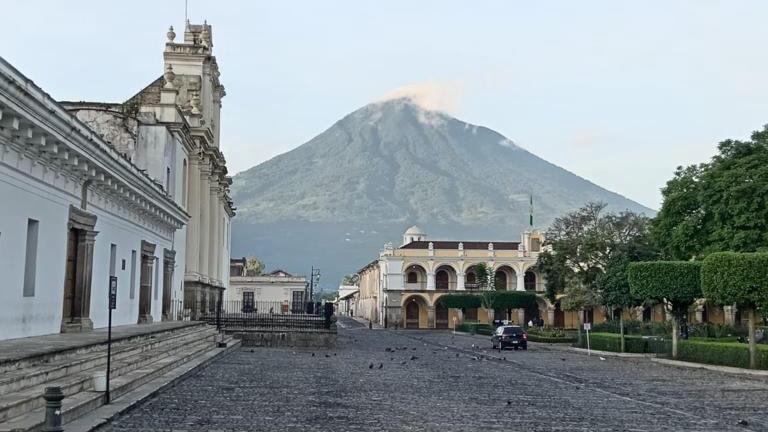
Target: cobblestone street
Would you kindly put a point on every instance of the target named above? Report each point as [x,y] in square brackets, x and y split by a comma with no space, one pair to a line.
[423,381]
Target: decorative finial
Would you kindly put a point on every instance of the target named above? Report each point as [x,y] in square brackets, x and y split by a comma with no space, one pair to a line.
[169,76]
[205,35]
[171,34]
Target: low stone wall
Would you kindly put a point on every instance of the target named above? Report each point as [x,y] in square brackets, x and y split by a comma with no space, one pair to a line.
[282,338]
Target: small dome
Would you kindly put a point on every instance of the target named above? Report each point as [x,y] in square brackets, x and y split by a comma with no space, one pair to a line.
[414,230]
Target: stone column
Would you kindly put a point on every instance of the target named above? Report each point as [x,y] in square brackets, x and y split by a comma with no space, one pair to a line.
[699,313]
[193,208]
[205,208]
[729,315]
[459,316]
[83,223]
[430,281]
[169,262]
[212,226]
[145,283]
[430,317]
[551,317]
[520,281]
[460,281]
[521,317]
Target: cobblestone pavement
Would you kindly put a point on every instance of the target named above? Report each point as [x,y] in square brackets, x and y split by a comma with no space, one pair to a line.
[423,381]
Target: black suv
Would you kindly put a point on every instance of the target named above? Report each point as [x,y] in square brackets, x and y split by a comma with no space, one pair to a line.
[510,336]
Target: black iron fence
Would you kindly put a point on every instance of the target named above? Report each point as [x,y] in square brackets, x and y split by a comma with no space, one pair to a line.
[243,315]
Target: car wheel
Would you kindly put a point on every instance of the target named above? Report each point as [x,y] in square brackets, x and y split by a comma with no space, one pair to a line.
[515,348]
[494,347]
[525,347]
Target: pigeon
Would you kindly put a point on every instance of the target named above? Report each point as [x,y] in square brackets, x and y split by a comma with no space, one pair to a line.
[509,402]
[413,349]
[457,354]
[252,351]
[414,357]
[562,359]
[602,358]
[334,354]
[313,354]
[402,363]
[743,422]
[381,365]
[391,358]
[388,349]
[327,355]
[370,366]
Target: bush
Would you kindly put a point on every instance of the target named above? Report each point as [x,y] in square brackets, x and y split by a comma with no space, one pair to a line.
[632,327]
[632,344]
[679,282]
[459,301]
[721,353]
[551,336]
[709,330]
[474,328]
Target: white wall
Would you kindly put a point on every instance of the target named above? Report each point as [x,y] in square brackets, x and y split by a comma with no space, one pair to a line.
[24,196]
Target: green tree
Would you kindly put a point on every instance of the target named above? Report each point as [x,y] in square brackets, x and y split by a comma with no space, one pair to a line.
[718,206]
[253,266]
[579,298]
[741,279]
[613,288]
[553,268]
[350,279]
[678,283]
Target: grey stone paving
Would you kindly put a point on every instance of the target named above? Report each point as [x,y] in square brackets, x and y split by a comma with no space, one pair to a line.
[449,385]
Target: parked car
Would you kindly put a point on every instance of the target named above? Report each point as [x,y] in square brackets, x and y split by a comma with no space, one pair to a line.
[510,336]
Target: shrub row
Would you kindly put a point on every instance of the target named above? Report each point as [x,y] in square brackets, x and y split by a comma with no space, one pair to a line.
[721,353]
[632,344]
[473,328]
[550,339]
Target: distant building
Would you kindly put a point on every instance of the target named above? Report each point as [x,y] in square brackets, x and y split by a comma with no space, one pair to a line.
[402,285]
[346,300]
[278,290]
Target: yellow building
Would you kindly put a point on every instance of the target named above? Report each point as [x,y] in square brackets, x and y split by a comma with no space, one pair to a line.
[401,287]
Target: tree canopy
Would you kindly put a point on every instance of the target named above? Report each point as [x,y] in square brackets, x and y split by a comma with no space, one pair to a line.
[678,282]
[718,206]
[253,266]
[350,279]
[585,242]
[736,278]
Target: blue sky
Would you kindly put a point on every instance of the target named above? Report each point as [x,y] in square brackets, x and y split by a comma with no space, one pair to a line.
[617,92]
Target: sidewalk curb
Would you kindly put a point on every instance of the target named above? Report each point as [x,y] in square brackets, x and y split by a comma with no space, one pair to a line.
[716,368]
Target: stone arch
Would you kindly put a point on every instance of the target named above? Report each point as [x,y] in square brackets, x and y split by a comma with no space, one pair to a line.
[505,275]
[445,277]
[415,276]
[415,312]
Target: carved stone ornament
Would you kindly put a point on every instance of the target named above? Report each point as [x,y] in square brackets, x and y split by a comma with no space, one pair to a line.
[169,76]
[171,34]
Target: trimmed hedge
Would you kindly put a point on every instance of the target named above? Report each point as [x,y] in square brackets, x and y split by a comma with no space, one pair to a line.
[514,300]
[459,301]
[740,278]
[634,327]
[550,339]
[471,328]
[632,344]
[679,282]
[732,354]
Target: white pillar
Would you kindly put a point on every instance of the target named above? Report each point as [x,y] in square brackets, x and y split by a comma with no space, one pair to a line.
[460,282]
[431,281]
[205,208]
[520,281]
[193,208]
[211,229]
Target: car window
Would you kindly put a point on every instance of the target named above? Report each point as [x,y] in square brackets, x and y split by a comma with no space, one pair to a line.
[499,330]
[512,330]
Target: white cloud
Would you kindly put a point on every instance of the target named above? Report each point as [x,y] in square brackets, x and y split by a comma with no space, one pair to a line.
[431,95]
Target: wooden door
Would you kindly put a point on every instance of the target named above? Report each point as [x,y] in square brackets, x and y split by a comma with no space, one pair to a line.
[412,315]
[69,276]
[441,317]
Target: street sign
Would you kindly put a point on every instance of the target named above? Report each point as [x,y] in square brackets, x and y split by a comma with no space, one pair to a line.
[587,326]
[112,292]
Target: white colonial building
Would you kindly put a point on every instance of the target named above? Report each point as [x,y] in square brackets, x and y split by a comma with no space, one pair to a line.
[136,190]
[171,130]
[402,285]
[278,290]
[77,211]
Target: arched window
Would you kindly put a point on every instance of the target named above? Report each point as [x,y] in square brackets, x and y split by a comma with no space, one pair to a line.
[530,281]
[413,277]
[184,183]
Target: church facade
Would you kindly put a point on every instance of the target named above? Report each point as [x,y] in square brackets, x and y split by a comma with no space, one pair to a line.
[134,193]
[171,129]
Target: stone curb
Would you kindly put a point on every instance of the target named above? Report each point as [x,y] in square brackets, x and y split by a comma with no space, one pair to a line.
[725,369]
[94,420]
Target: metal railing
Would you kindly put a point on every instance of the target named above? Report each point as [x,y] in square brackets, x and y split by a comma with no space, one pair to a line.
[261,315]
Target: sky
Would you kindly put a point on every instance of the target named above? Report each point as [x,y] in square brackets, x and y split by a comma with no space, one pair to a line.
[620,93]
